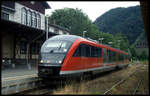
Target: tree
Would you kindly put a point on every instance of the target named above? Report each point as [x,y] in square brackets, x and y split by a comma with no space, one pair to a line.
[125,20]
[143,55]
[133,53]
[123,44]
[75,20]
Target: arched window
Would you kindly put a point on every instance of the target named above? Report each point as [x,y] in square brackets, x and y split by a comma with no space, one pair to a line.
[24,16]
[38,21]
[34,24]
[29,18]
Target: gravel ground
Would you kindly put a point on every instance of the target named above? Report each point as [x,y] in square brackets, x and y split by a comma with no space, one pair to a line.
[105,81]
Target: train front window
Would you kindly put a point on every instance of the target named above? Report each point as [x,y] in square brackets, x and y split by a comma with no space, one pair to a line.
[56,47]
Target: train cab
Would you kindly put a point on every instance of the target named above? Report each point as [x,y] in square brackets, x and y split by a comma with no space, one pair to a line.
[70,55]
[53,53]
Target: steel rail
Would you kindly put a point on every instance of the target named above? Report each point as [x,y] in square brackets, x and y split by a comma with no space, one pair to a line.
[42,89]
[139,83]
[18,77]
[121,81]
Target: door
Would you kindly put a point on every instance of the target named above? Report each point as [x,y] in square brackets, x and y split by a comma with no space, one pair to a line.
[105,60]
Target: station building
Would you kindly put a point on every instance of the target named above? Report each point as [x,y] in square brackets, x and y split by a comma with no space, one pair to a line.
[23,30]
[141,46]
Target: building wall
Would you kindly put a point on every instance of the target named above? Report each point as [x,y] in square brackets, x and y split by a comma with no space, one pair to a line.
[17,15]
[51,29]
[7,45]
[35,5]
[57,30]
[140,50]
[8,39]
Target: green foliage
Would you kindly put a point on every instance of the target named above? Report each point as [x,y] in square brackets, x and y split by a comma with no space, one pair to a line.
[143,55]
[133,53]
[124,43]
[107,38]
[127,21]
[77,22]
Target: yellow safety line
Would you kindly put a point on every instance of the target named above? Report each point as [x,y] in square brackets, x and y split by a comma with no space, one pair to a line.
[18,77]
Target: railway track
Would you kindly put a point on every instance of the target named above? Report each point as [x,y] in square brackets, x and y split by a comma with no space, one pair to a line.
[48,88]
[138,85]
[20,83]
[123,81]
[45,87]
[36,91]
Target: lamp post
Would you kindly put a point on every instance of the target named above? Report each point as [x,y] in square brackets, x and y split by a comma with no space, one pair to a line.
[46,27]
[110,43]
[84,33]
[101,39]
[119,43]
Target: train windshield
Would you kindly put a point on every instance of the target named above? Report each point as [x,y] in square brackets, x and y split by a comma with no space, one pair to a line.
[56,47]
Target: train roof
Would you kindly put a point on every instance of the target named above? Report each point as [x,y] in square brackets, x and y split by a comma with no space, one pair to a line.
[72,38]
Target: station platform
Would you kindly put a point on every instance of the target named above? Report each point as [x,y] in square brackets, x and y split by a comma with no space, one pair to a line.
[19,70]
[19,78]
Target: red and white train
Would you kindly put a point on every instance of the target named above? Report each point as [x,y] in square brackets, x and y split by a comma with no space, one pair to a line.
[70,55]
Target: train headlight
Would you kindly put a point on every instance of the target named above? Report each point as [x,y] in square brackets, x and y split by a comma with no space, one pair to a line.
[60,61]
[48,61]
[41,61]
[65,50]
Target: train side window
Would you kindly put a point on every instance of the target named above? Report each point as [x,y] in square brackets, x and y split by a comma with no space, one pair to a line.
[83,52]
[97,52]
[88,51]
[121,57]
[109,55]
[93,51]
[80,51]
[100,52]
[104,54]
[114,56]
[77,52]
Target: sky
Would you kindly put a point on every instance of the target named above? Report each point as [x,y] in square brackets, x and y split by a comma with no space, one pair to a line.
[93,9]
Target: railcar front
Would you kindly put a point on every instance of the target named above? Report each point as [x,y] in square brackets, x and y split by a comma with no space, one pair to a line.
[52,55]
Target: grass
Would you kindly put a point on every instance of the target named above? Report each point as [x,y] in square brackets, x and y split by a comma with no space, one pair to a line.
[102,83]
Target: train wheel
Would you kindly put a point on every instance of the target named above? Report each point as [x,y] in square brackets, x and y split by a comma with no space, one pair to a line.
[92,76]
[82,76]
[117,67]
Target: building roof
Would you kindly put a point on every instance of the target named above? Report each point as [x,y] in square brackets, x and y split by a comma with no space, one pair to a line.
[27,31]
[47,6]
[60,27]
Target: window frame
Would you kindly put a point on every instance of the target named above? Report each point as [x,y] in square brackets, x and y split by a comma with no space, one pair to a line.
[34,20]
[29,15]
[38,21]
[92,52]
[5,17]
[23,47]
[24,16]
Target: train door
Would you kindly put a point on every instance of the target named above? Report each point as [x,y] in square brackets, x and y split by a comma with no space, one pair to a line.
[83,56]
[83,61]
[105,60]
[76,62]
[117,58]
